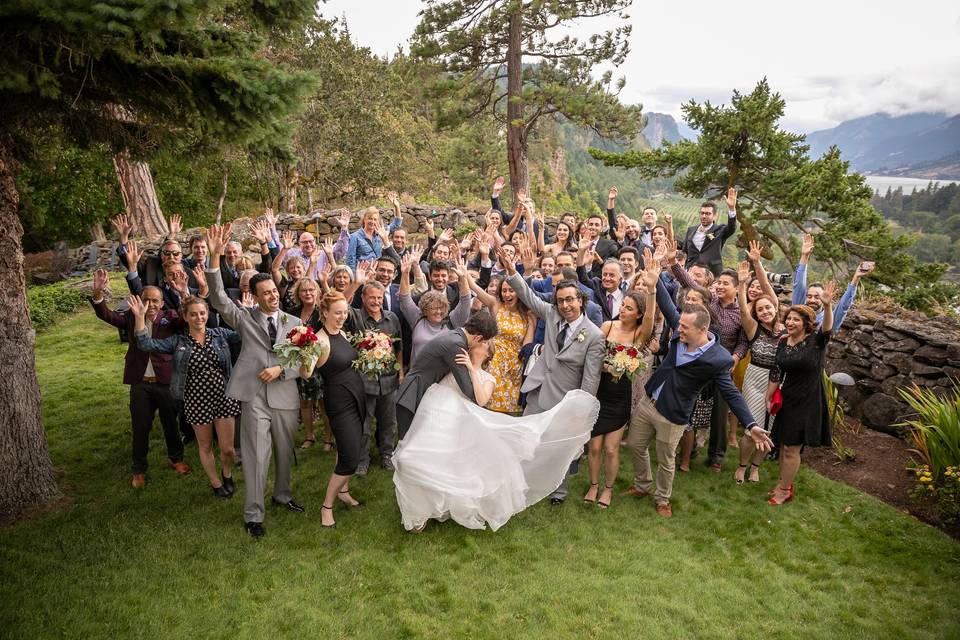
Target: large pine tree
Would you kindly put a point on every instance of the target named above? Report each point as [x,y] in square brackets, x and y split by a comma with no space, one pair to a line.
[192,67]
[505,57]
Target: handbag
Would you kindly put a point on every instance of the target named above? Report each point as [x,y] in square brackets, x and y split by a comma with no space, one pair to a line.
[532,359]
[776,400]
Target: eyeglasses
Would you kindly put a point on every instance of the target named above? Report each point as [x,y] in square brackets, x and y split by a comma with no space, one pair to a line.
[171,253]
[567,300]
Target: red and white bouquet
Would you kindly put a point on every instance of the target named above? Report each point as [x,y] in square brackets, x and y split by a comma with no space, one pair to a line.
[623,361]
[376,356]
[300,348]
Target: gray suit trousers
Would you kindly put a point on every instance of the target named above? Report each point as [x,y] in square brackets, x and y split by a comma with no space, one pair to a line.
[262,429]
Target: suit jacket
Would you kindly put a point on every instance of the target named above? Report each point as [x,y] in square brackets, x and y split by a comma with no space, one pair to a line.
[709,254]
[576,366]
[595,287]
[256,354]
[166,324]
[435,360]
[682,384]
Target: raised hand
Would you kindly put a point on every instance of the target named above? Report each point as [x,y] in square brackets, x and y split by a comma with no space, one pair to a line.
[732,199]
[506,261]
[123,226]
[288,240]
[259,231]
[428,226]
[756,251]
[137,307]
[660,252]
[178,280]
[406,263]
[670,252]
[612,197]
[270,217]
[393,199]
[527,257]
[464,358]
[445,236]
[101,280]
[344,219]
[416,253]
[217,238]
[620,231]
[175,224]
[829,291]
[521,195]
[133,255]
[327,247]
[498,186]
[247,301]
[200,276]
[364,273]
[743,272]
[807,247]
[381,231]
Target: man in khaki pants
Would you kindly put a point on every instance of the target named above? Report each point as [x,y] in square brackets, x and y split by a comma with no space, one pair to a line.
[695,357]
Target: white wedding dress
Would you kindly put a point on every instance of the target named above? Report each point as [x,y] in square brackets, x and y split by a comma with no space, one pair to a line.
[479,467]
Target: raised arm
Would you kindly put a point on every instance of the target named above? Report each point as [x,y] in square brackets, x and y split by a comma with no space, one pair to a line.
[829,291]
[100,281]
[651,276]
[665,303]
[747,323]
[144,341]
[755,256]
[528,297]
[611,211]
[217,238]
[731,227]
[800,275]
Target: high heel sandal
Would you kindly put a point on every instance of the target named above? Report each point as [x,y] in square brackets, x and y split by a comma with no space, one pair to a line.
[587,500]
[356,504]
[758,475]
[328,446]
[601,503]
[773,498]
[328,526]
[740,479]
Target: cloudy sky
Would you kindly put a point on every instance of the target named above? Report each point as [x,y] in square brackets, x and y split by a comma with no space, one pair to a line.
[832,60]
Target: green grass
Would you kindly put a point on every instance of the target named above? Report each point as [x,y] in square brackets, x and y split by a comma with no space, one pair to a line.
[170,561]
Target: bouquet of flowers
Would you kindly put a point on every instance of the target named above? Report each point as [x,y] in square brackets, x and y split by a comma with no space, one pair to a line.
[623,361]
[299,348]
[376,355]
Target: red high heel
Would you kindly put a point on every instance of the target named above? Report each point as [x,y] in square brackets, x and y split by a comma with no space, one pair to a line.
[789,497]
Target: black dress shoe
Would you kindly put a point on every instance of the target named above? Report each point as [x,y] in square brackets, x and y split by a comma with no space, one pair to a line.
[292,506]
[556,501]
[255,529]
[228,484]
[221,492]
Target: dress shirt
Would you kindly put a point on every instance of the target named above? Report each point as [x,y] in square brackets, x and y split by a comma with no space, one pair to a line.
[686,356]
[728,317]
[617,300]
[700,235]
[573,328]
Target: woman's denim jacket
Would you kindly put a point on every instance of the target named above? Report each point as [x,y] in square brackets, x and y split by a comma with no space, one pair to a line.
[181,346]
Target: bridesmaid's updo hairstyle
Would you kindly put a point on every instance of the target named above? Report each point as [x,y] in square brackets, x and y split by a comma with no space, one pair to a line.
[329,299]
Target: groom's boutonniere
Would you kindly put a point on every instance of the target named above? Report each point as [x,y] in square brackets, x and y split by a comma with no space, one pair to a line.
[710,237]
[581,335]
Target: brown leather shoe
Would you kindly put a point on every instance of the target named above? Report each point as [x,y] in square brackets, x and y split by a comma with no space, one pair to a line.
[665,510]
[633,491]
[138,480]
[181,467]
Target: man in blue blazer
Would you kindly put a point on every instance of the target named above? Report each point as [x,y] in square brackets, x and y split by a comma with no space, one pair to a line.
[694,358]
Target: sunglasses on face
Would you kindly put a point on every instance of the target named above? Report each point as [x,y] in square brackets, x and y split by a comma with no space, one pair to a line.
[167,252]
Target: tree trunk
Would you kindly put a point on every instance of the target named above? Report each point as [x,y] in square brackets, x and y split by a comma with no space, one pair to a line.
[291,190]
[96,232]
[223,196]
[26,473]
[139,195]
[516,140]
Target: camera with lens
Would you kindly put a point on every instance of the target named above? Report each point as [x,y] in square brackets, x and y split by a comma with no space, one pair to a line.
[780,282]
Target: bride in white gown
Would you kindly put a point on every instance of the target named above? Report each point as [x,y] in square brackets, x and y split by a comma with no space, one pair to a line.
[479,467]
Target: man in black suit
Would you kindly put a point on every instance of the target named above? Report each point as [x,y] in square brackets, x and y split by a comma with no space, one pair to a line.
[695,357]
[704,244]
[436,359]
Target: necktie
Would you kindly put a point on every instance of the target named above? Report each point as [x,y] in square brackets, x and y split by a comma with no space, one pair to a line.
[272,330]
[562,337]
[610,304]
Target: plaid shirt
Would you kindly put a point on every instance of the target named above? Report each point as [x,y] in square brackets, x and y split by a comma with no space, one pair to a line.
[728,326]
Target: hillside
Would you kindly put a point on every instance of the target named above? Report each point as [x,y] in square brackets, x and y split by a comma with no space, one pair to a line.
[920,145]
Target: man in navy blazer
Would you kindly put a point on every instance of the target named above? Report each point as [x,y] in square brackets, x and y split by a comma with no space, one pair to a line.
[694,358]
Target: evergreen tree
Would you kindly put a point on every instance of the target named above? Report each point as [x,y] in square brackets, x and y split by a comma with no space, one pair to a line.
[482,44]
[782,193]
[192,67]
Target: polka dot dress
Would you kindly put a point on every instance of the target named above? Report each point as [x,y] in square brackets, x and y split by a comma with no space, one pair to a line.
[205,395]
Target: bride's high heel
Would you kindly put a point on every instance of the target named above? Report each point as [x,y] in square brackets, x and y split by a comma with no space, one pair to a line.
[587,500]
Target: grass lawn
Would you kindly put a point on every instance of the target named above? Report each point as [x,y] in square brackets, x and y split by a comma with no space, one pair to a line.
[170,561]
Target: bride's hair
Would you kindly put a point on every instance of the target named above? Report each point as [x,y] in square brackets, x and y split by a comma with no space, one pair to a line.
[328,300]
[491,351]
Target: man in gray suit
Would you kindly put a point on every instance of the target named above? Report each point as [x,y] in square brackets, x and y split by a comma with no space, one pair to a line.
[436,359]
[573,352]
[267,391]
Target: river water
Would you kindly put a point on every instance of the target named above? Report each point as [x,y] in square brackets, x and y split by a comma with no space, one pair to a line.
[880,183]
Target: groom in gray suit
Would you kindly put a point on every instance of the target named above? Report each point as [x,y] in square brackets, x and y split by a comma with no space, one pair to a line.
[267,391]
[573,351]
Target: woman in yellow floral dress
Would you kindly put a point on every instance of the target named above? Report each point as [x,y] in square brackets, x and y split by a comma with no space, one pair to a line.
[515,325]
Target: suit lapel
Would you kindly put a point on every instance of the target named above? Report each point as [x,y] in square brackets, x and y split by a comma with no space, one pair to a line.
[261,321]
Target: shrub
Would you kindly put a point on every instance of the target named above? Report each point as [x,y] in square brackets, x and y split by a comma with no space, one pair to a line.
[935,430]
[945,494]
[48,302]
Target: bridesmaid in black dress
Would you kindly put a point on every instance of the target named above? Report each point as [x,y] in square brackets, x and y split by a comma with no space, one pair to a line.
[631,330]
[345,399]
[804,419]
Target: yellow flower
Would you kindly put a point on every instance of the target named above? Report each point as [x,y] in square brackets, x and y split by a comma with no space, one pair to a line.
[925,479]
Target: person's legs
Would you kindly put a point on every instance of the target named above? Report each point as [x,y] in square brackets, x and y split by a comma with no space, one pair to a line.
[732,430]
[167,408]
[224,427]
[256,447]
[307,418]
[365,435]
[638,441]
[204,434]
[334,486]
[611,464]
[686,448]
[387,427]
[718,431]
[283,426]
[789,465]
[668,436]
[141,420]
[594,460]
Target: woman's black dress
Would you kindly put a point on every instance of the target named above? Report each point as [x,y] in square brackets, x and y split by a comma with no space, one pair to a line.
[204,398]
[615,397]
[345,401]
[804,418]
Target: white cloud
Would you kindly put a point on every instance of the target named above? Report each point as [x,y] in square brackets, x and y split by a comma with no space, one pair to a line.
[831,60]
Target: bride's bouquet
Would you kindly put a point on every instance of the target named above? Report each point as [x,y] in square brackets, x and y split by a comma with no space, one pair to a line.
[300,348]
[624,361]
[376,355]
